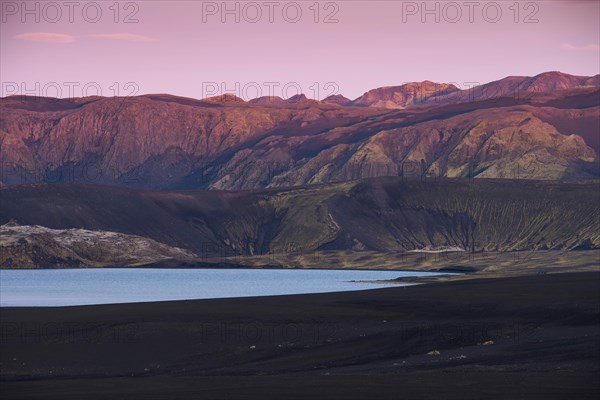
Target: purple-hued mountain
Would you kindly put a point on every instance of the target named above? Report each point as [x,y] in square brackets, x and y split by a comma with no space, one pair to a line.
[542,127]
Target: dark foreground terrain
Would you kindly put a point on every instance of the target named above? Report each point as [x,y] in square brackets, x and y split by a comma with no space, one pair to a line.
[528,337]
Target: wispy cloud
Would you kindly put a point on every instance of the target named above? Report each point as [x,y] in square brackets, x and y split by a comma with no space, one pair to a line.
[588,47]
[64,38]
[573,2]
[126,37]
[45,37]
[592,4]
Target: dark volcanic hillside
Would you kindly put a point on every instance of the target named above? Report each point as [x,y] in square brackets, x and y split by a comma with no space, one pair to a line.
[162,141]
[386,214]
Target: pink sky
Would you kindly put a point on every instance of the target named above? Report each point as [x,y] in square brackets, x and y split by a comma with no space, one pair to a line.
[170,49]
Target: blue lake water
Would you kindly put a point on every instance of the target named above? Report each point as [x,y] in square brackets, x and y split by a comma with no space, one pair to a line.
[68,287]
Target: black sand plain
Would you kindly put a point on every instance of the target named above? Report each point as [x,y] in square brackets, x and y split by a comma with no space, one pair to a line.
[525,337]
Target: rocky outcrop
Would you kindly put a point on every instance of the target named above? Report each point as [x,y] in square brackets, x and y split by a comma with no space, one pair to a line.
[38,246]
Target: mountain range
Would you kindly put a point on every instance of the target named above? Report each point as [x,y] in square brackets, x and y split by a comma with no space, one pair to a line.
[543,128]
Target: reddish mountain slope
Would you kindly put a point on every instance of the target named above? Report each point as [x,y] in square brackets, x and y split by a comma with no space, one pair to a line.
[163,141]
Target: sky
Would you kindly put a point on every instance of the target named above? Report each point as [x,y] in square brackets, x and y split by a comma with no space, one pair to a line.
[203,48]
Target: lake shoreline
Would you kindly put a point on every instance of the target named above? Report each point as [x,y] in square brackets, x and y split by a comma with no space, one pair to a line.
[98,286]
[465,339]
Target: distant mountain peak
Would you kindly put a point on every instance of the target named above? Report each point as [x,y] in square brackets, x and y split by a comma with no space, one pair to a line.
[337,99]
[301,99]
[297,98]
[552,80]
[265,100]
[276,100]
[224,98]
[402,96]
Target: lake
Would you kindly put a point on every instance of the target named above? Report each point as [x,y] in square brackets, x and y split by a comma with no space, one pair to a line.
[69,287]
